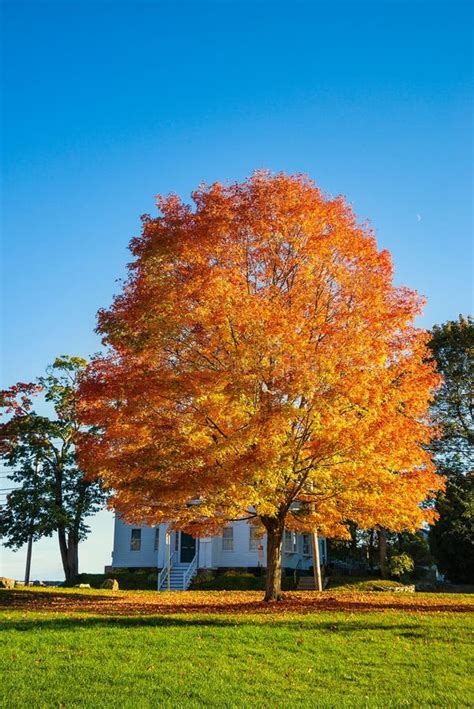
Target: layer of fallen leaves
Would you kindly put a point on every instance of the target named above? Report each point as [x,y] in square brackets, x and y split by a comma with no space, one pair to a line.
[133,603]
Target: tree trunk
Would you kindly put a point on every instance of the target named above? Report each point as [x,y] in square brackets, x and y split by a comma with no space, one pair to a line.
[370,550]
[69,555]
[274,527]
[63,550]
[353,533]
[73,556]
[383,552]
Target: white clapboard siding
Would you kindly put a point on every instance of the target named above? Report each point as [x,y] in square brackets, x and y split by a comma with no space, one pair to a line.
[123,556]
[211,552]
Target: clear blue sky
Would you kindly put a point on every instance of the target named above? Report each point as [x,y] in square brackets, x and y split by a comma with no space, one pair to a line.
[107,104]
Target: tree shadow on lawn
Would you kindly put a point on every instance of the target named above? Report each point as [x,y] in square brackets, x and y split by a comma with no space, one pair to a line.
[175,622]
[221,603]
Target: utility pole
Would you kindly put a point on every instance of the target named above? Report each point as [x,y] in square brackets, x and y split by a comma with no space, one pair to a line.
[34,515]
[28,560]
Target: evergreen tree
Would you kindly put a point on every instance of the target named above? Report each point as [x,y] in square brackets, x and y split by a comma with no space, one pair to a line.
[452,536]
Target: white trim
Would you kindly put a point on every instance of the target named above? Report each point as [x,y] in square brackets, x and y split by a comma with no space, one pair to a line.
[228,540]
[254,540]
[291,542]
[136,541]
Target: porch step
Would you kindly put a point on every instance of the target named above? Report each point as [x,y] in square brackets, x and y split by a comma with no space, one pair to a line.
[176,582]
[306,583]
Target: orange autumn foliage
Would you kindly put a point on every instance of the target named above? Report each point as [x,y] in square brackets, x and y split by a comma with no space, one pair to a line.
[230,603]
[261,361]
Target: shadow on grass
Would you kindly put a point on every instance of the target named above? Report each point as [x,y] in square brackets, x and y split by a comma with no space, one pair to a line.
[43,597]
[175,622]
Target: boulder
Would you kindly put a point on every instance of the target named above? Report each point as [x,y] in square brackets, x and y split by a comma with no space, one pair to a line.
[82,585]
[403,589]
[110,584]
[38,583]
[5,582]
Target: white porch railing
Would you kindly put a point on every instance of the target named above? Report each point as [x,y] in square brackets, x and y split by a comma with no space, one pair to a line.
[189,572]
[164,574]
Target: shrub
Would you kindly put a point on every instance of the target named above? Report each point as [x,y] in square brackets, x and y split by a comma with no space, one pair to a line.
[94,580]
[235,580]
[354,583]
[135,580]
[204,577]
[400,565]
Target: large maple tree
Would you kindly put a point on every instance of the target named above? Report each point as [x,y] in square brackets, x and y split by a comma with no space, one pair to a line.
[262,365]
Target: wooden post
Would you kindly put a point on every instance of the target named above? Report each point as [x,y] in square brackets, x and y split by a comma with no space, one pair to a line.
[318,583]
[28,560]
[168,560]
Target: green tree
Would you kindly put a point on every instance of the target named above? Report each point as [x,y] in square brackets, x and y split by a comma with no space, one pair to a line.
[452,345]
[51,493]
[452,536]
[416,546]
[401,565]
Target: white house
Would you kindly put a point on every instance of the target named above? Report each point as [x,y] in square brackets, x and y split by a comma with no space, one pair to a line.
[179,556]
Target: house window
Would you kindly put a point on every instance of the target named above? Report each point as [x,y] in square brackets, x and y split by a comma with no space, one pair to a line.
[290,541]
[306,545]
[254,539]
[228,539]
[157,538]
[136,540]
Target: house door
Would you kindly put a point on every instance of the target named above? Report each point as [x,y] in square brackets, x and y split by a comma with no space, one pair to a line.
[188,548]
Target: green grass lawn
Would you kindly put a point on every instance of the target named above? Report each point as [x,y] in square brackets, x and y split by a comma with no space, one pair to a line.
[390,658]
